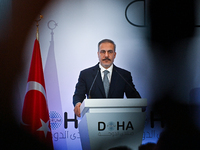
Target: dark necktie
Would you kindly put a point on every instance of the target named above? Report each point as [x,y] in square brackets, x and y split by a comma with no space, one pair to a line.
[106,82]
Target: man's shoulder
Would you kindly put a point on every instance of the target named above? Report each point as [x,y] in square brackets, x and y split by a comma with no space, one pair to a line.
[121,70]
[90,69]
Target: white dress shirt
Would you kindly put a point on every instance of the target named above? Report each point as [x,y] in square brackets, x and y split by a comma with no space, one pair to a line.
[110,69]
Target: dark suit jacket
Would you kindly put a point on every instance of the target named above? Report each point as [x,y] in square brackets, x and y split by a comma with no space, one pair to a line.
[121,82]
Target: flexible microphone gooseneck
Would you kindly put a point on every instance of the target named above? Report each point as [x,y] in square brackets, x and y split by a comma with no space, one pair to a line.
[124,80]
[143,108]
[93,82]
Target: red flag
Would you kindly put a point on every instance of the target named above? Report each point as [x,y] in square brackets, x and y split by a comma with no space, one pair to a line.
[35,114]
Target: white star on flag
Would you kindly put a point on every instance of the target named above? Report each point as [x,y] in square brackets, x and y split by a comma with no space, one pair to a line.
[44,127]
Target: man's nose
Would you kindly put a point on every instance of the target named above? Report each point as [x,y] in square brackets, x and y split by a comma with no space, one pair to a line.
[106,54]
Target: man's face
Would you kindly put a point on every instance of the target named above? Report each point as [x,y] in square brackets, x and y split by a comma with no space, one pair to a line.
[106,54]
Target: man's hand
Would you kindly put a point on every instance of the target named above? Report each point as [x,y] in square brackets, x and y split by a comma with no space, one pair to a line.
[77,109]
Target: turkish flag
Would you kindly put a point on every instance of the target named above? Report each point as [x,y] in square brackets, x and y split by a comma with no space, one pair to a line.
[35,114]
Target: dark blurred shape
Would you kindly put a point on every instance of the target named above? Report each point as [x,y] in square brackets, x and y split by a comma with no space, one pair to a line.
[181,131]
[13,37]
[14,138]
[172,24]
[195,96]
[171,21]
[147,146]
[195,103]
[120,148]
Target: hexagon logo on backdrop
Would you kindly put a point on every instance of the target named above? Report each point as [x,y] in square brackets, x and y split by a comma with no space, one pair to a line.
[55,120]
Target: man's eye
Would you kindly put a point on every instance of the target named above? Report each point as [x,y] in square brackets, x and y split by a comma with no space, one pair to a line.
[110,52]
[102,52]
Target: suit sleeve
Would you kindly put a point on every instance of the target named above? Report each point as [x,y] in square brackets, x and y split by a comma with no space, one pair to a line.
[80,91]
[130,89]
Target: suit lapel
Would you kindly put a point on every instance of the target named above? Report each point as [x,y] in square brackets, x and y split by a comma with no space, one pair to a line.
[113,83]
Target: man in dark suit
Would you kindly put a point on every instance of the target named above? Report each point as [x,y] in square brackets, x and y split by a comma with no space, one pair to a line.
[93,82]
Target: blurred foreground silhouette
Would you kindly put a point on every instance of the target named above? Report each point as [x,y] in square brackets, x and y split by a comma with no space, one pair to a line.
[14,29]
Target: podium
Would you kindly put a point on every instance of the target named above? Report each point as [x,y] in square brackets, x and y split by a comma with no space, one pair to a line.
[109,123]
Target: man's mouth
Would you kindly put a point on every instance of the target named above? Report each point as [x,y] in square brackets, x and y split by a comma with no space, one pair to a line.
[106,59]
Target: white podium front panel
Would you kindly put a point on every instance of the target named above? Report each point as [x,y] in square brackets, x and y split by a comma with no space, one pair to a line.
[104,131]
[108,123]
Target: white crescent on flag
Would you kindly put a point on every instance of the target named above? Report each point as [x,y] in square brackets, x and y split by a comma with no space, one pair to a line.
[32,85]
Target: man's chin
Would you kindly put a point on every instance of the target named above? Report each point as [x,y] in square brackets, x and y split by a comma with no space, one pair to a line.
[106,65]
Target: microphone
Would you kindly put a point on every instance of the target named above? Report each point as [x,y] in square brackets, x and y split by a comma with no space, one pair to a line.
[93,83]
[127,82]
[143,108]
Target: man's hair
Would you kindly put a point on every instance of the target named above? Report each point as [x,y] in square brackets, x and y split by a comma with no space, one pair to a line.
[106,41]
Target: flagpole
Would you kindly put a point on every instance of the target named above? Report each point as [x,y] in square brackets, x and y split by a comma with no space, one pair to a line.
[37,25]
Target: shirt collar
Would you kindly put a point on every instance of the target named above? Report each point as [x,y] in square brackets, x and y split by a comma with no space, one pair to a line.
[102,68]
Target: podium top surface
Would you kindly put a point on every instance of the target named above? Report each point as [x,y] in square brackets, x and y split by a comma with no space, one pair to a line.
[113,103]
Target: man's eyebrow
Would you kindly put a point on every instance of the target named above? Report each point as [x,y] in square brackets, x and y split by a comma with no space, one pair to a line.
[106,50]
